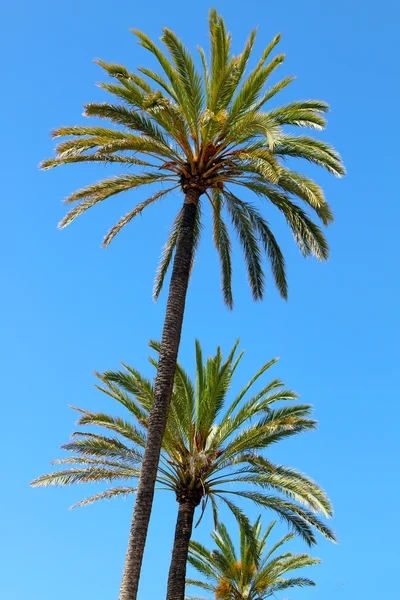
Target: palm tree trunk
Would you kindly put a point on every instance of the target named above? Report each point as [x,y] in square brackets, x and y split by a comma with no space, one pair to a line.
[183,533]
[162,395]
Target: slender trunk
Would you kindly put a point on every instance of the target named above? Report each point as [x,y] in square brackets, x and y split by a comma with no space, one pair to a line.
[183,533]
[162,395]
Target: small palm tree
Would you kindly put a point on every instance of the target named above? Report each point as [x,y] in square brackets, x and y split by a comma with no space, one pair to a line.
[255,574]
[209,134]
[211,451]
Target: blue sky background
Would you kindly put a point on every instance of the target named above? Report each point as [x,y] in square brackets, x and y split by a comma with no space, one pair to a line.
[68,308]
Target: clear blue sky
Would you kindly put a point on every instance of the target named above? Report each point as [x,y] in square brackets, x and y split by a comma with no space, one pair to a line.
[67,307]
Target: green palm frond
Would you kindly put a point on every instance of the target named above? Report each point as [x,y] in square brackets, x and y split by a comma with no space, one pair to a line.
[215,447]
[132,214]
[97,445]
[190,80]
[208,128]
[301,520]
[98,192]
[223,245]
[250,244]
[167,255]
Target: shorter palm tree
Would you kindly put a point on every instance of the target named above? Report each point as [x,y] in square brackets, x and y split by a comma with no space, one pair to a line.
[210,451]
[255,574]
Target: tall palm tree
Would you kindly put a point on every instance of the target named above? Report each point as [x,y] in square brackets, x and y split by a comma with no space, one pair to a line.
[253,574]
[211,135]
[212,450]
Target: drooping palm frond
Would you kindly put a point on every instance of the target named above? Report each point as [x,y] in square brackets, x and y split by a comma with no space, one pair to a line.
[254,572]
[209,129]
[214,449]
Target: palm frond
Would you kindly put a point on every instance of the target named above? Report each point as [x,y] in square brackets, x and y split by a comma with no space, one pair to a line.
[249,243]
[189,77]
[312,150]
[98,192]
[223,245]
[107,495]
[133,213]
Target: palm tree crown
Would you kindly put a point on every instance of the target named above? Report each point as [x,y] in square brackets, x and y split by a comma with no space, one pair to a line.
[255,574]
[211,450]
[211,133]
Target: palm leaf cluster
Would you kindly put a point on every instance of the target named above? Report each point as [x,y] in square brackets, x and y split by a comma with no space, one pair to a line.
[255,573]
[214,451]
[207,131]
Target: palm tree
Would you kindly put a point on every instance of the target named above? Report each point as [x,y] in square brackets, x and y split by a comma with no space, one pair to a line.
[212,450]
[210,135]
[255,574]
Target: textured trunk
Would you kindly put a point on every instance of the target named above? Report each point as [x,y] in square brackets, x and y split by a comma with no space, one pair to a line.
[162,395]
[183,533]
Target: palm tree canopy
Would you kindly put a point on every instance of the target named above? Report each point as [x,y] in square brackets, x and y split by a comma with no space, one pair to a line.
[255,573]
[213,451]
[209,129]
